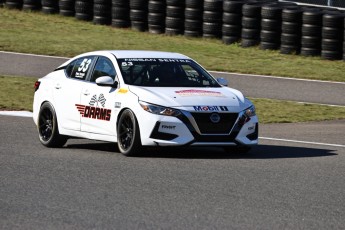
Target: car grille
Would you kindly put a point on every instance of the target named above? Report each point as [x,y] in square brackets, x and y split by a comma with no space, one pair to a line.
[206,126]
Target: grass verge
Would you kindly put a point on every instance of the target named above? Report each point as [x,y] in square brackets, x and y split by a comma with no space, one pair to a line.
[38,33]
[17,94]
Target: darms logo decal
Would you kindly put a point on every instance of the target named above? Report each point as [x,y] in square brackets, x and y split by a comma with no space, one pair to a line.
[93,110]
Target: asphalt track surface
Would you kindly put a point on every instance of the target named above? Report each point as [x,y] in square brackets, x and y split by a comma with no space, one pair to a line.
[293,181]
[90,185]
[331,93]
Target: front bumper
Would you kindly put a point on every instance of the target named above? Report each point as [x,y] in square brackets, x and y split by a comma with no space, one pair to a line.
[157,130]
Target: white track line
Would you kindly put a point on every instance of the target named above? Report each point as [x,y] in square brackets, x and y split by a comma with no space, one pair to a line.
[302,142]
[311,103]
[35,55]
[16,113]
[220,72]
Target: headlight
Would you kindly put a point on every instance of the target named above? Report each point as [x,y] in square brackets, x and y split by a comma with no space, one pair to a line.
[160,110]
[250,112]
[246,114]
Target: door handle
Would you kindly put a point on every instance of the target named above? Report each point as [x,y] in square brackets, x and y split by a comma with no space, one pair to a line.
[86,92]
[57,86]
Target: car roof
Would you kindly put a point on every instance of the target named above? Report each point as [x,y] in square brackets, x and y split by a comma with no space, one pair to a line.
[140,54]
[132,54]
[146,54]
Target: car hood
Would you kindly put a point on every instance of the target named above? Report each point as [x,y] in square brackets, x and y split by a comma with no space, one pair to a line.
[191,97]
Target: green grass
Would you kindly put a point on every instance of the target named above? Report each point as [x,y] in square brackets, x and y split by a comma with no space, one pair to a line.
[56,35]
[278,111]
[17,94]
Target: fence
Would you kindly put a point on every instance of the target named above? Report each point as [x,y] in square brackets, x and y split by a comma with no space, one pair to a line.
[332,3]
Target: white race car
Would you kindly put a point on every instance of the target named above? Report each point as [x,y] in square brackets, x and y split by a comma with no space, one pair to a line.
[141,98]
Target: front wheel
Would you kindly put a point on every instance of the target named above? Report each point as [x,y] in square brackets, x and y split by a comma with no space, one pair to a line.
[48,131]
[128,134]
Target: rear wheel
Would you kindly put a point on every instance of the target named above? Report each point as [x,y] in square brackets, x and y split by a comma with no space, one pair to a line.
[48,130]
[128,134]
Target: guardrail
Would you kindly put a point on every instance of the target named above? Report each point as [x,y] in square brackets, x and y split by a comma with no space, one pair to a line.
[332,3]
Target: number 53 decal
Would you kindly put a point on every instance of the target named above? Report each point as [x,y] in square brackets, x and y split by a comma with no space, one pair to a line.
[84,65]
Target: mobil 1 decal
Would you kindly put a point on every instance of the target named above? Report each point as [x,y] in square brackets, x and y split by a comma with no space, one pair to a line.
[210,108]
[95,109]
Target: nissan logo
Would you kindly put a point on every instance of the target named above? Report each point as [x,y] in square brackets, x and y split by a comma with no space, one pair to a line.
[215,118]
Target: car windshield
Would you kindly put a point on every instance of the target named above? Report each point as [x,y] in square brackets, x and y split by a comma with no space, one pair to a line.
[161,72]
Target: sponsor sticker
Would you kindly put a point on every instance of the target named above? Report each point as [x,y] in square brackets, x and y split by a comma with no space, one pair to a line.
[93,110]
[206,108]
[210,108]
[117,105]
[129,61]
[168,127]
[194,92]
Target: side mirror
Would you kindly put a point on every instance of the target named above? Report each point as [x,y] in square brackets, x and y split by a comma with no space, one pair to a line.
[106,81]
[222,81]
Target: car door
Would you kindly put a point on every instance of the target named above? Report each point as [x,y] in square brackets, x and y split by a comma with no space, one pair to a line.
[67,92]
[100,111]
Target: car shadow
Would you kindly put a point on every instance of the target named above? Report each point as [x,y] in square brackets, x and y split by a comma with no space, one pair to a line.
[257,152]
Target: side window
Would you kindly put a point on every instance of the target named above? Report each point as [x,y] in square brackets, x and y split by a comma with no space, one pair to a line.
[81,68]
[103,67]
[69,68]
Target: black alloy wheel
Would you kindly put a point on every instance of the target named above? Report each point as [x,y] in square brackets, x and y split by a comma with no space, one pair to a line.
[128,134]
[48,128]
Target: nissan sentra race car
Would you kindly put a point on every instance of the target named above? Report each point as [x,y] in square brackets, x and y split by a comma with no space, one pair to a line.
[139,99]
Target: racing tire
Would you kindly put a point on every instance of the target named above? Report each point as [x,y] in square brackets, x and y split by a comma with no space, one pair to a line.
[269,45]
[291,27]
[175,11]
[156,29]
[31,5]
[198,4]
[138,4]
[290,49]
[175,2]
[120,13]
[251,23]
[155,6]
[305,51]
[211,16]
[237,149]
[232,18]
[193,14]
[233,6]
[128,134]
[331,55]
[271,24]
[312,16]
[120,3]
[245,42]
[231,30]
[227,40]
[292,14]
[14,4]
[120,23]
[213,5]
[192,33]
[48,130]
